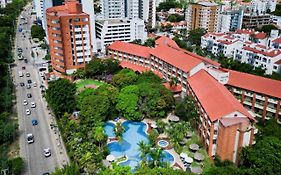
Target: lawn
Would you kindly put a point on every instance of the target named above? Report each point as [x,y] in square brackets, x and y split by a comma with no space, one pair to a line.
[82,83]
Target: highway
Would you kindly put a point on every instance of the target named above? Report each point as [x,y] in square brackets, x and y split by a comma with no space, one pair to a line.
[44,136]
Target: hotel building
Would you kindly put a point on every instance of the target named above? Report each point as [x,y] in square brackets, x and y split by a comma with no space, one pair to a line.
[69,37]
[203,15]
[195,74]
[225,126]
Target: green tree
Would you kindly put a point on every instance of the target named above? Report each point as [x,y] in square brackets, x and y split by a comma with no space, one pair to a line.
[150,42]
[194,36]
[264,157]
[94,108]
[71,169]
[148,77]
[16,165]
[82,95]
[124,78]
[37,32]
[61,96]
[116,170]
[79,74]
[186,110]
[99,136]
[175,18]
[267,28]
[166,5]
[119,130]
[127,103]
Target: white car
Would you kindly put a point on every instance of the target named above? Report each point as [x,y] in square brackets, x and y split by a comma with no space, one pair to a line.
[28,112]
[27,74]
[47,152]
[25,102]
[30,138]
[34,84]
[33,105]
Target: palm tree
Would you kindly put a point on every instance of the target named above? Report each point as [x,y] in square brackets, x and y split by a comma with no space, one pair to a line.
[144,149]
[157,156]
[99,135]
[119,130]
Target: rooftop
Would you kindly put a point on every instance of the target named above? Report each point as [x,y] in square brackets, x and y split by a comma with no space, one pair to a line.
[175,57]
[164,40]
[255,83]
[213,96]
[134,49]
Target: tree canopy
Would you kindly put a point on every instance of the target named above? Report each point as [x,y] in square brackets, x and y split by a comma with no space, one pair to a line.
[175,18]
[61,96]
[124,78]
[194,36]
[166,5]
[37,32]
[97,67]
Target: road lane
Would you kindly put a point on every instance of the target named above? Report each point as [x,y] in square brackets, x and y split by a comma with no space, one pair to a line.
[44,137]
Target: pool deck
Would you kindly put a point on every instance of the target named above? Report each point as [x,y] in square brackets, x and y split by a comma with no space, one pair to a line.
[177,161]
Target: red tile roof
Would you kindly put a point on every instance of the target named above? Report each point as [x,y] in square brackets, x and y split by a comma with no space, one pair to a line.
[215,99]
[134,67]
[174,88]
[277,40]
[233,121]
[245,31]
[164,40]
[204,59]
[138,68]
[226,42]
[130,48]
[278,62]
[255,83]
[271,53]
[175,57]
[261,46]
[260,35]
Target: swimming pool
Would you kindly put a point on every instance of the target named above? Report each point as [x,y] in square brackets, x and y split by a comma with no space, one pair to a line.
[128,146]
[109,129]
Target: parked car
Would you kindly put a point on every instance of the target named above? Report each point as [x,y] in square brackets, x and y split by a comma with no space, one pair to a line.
[33,104]
[47,152]
[28,86]
[27,74]
[21,84]
[34,122]
[27,111]
[30,138]
[29,81]
[25,102]
[29,95]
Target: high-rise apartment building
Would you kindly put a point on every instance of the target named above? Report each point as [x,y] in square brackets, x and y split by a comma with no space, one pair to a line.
[87,6]
[203,15]
[69,37]
[230,20]
[111,30]
[117,9]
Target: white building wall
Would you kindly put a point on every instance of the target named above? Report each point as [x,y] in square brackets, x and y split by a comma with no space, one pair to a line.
[126,30]
[88,7]
[224,22]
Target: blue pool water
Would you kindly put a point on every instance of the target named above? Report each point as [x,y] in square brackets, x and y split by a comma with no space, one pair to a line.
[134,133]
[109,127]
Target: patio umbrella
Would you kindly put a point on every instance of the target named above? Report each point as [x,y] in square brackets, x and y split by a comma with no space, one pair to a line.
[173,118]
[194,147]
[188,135]
[196,170]
[153,126]
[188,160]
[198,156]
[110,158]
[183,155]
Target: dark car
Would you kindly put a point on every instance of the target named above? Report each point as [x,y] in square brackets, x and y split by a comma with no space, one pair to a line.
[34,122]
[23,67]
[29,95]
[22,84]
[29,81]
